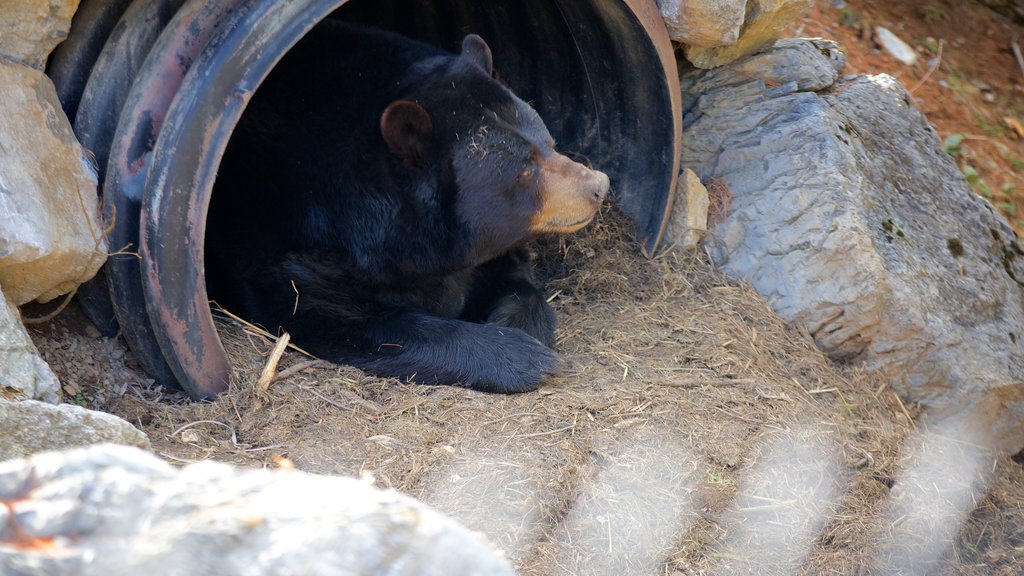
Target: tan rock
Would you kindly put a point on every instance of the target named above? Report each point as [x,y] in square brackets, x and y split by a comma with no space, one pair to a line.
[50,236]
[766,20]
[689,221]
[705,23]
[31,29]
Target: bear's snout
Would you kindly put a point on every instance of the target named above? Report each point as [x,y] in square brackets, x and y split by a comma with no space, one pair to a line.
[600,186]
[570,195]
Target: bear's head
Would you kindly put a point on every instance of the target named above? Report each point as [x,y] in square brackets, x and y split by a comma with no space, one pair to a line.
[490,151]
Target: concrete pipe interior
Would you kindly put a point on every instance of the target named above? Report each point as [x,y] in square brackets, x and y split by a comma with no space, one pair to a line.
[600,74]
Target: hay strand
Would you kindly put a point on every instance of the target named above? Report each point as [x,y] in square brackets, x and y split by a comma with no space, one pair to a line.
[270,369]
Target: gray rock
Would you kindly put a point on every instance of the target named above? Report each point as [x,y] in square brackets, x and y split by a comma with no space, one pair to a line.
[31,29]
[23,373]
[29,427]
[851,220]
[803,65]
[50,236]
[111,511]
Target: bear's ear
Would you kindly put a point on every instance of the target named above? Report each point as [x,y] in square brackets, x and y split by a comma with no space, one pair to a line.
[407,129]
[477,52]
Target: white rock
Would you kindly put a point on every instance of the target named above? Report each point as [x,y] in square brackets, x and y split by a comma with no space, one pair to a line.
[31,29]
[21,369]
[50,236]
[892,44]
[31,427]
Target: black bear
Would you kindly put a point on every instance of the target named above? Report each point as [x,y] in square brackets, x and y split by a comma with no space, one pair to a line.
[373,200]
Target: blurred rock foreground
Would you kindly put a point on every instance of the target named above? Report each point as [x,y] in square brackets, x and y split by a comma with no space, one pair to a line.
[114,510]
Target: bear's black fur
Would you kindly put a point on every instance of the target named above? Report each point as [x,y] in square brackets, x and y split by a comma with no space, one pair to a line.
[372,202]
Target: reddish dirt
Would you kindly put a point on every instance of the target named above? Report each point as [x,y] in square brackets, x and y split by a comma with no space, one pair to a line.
[974,88]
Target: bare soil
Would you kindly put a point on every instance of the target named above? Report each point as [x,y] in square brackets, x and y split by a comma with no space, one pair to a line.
[690,430]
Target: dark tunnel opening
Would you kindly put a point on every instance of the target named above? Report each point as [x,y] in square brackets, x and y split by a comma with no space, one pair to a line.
[588,70]
[552,65]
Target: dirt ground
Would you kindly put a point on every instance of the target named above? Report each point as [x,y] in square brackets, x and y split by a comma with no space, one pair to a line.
[690,430]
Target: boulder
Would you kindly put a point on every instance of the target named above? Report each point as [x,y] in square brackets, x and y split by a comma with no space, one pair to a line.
[113,510]
[763,22]
[705,23]
[23,373]
[850,219]
[31,29]
[29,427]
[50,236]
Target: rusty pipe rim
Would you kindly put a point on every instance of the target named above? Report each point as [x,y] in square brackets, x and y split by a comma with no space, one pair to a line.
[103,100]
[184,166]
[71,64]
[649,16]
[199,75]
[130,158]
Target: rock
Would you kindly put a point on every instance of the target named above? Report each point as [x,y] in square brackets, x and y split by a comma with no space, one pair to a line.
[30,427]
[790,65]
[896,47]
[112,511]
[689,221]
[50,236]
[851,220]
[31,29]
[765,21]
[705,23]
[22,372]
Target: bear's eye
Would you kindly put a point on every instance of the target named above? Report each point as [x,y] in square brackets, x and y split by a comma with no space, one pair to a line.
[527,173]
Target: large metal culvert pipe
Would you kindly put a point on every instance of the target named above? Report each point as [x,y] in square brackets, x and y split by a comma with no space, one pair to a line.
[98,103]
[601,73]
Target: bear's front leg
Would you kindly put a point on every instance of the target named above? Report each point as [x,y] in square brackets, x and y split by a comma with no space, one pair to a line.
[504,293]
[526,309]
[433,350]
[429,349]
